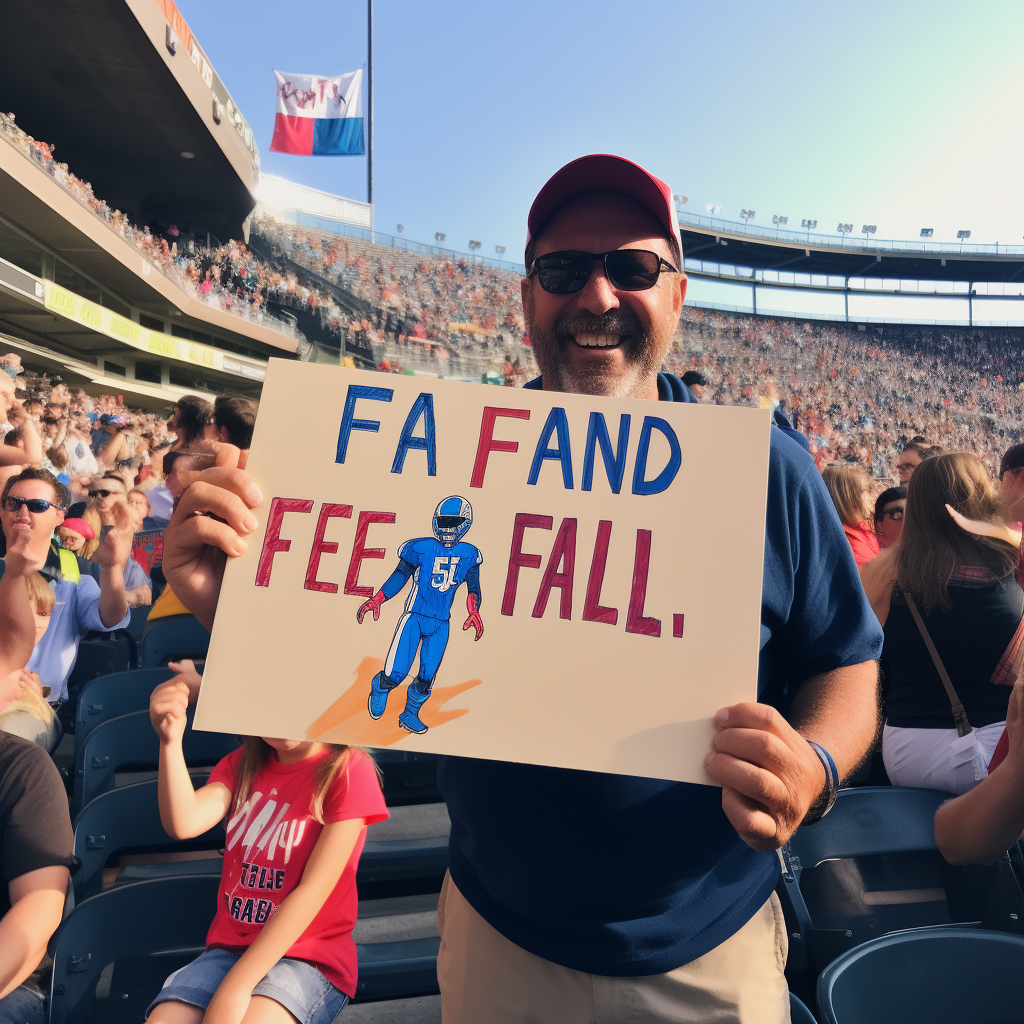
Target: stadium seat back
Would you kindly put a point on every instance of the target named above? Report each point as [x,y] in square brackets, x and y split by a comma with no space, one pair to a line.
[173,638]
[867,868]
[929,976]
[129,740]
[157,925]
[798,1012]
[119,693]
[139,615]
[127,820]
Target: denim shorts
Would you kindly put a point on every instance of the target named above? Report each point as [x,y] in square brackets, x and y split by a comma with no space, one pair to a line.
[299,987]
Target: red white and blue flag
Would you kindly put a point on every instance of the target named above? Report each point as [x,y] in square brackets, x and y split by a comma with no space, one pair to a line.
[318,116]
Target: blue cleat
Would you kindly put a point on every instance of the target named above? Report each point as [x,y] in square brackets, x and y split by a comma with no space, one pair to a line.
[409,719]
[379,690]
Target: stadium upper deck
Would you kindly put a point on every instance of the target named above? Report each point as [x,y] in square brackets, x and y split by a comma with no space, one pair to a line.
[708,238]
[133,119]
[154,131]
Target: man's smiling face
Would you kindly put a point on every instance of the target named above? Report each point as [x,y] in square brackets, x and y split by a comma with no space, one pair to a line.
[602,340]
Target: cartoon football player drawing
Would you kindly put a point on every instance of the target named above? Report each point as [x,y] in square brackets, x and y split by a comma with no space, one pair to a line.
[438,565]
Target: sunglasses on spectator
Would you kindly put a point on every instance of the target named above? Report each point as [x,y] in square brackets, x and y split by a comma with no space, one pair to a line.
[12,503]
[104,494]
[629,270]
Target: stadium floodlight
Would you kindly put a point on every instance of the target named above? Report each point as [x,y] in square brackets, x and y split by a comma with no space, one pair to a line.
[810,225]
[186,155]
[963,234]
[474,245]
[927,232]
[401,228]
[746,215]
[844,229]
[680,200]
[499,249]
[779,221]
[439,236]
[713,209]
[868,229]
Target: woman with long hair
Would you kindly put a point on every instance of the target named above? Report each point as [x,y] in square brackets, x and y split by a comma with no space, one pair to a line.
[965,588]
[849,486]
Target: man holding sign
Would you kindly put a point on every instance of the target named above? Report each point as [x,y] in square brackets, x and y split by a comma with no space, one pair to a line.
[580,896]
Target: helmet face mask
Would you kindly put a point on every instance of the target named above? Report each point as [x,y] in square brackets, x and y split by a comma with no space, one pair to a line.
[452,519]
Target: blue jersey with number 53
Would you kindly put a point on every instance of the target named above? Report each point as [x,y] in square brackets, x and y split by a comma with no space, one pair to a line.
[439,571]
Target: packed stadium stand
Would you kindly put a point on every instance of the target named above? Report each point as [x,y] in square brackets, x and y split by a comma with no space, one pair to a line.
[137,266]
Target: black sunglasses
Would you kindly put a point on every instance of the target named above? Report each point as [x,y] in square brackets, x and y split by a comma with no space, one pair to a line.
[103,494]
[12,503]
[629,270]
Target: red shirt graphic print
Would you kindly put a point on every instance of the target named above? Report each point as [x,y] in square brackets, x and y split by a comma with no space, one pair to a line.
[269,840]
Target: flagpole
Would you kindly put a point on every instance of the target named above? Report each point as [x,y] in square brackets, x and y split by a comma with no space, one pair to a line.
[369,104]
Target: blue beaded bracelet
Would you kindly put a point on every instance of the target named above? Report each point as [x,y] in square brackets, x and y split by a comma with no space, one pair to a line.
[831,780]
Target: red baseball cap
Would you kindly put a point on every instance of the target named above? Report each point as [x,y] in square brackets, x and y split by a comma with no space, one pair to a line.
[607,172]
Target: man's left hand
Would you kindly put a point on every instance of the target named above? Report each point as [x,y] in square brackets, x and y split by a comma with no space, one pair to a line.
[770,775]
[116,548]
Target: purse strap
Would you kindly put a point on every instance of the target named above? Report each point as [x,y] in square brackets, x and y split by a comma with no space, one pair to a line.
[963,727]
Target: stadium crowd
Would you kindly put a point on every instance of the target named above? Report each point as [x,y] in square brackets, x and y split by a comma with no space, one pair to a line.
[909,550]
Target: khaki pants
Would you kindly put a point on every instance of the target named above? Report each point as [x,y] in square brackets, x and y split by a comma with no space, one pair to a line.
[485,979]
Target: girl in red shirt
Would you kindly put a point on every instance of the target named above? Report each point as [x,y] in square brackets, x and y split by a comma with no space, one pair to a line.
[280,946]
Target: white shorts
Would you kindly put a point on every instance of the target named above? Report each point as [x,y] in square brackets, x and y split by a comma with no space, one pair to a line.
[938,758]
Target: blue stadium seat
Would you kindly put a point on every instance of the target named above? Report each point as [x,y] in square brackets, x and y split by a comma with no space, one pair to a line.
[870,821]
[137,624]
[119,693]
[177,636]
[149,929]
[156,927]
[129,740]
[926,976]
[798,1012]
[127,820]
[410,777]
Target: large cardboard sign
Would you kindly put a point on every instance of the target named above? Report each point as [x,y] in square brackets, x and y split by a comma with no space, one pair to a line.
[612,551]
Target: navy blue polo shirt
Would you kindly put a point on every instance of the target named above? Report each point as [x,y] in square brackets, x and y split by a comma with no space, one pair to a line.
[623,876]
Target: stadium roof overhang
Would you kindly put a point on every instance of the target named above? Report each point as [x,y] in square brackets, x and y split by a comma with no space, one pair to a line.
[95,78]
[849,260]
[46,214]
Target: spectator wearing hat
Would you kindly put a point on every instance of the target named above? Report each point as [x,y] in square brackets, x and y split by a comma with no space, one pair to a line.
[696,382]
[584,896]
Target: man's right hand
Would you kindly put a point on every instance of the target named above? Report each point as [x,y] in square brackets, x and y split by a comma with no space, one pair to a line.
[197,546]
[26,553]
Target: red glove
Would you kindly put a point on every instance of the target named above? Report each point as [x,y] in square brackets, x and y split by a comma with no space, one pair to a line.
[474,619]
[373,605]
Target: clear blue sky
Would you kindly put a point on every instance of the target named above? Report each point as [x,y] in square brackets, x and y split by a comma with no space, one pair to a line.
[901,114]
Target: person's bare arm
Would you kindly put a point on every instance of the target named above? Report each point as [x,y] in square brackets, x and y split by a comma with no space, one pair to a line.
[877,578]
[771,777]
[110,452]
[37,904]
[986,821]
[32,453]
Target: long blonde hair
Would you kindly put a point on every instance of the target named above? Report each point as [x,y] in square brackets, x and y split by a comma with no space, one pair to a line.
[256,753]
[932,545]
[92,517]
[849,486]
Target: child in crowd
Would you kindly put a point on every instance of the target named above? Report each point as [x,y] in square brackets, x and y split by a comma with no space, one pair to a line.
[281,940]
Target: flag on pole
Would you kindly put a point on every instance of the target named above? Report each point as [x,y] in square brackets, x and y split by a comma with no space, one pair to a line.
[318,116]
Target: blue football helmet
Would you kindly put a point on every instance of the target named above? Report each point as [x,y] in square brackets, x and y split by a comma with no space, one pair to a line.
[452,520]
